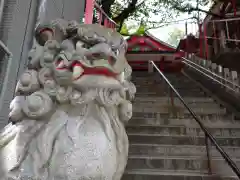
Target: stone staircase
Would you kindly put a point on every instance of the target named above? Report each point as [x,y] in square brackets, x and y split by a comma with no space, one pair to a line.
[166,143]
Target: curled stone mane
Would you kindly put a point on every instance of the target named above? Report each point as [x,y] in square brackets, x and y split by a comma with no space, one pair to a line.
[70,107]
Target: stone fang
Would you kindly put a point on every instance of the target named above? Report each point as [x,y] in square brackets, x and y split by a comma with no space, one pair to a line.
[77,72]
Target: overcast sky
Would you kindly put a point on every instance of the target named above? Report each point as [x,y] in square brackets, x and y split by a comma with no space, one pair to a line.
[163,32]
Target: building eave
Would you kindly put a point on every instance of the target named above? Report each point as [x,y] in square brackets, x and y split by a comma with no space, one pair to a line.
[158,40]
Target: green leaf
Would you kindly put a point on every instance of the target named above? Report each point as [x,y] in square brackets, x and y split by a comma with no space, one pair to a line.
[124,30]
[141,30]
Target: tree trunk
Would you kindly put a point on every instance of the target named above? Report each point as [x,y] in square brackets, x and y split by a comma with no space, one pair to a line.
[126,12]
[106,6]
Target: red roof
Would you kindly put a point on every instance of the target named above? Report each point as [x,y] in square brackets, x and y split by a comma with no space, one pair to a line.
[148,42]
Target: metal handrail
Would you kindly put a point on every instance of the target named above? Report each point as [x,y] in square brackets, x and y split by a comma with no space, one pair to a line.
[231,40]
[224,20]
[219,82]
[204,129]
[216,75]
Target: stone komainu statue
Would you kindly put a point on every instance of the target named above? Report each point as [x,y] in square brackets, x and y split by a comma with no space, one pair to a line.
[70,107]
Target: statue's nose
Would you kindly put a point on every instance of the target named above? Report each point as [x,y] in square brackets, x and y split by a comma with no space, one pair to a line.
[62,61]
[66,62]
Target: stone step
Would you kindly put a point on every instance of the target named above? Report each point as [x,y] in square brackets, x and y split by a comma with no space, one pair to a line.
[179,140]
[182,86]
[156,150]
[151,94]
[170,76]
[159,94]
[172,175]
[154,88]
[142,74]
[177,104]
[160,100]
[166,92]
[162,88]
[157,87]
[152,81]
[182,130]
[187,122]
[164,117]
[139,93]
[178,110]
[163,94]
[147,79]
[150,84]
[218,166]
[158,78]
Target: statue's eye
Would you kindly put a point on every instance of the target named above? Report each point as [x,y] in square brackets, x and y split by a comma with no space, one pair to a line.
[59,60]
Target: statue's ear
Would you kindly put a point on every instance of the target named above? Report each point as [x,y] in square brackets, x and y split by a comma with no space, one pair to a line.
[43,33]
[55,30]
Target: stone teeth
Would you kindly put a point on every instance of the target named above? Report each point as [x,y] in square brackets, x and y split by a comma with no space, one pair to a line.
[77,72]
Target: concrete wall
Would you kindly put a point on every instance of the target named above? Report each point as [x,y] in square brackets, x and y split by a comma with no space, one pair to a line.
[17,28]
[66,9]
[19,21]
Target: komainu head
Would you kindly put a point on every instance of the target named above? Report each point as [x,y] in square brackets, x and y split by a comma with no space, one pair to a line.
[69,61]
[74,52]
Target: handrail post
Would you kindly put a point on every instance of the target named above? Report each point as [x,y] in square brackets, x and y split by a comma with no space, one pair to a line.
[150,67]
[226,24]
[172,98]
[209,164]
[224,77]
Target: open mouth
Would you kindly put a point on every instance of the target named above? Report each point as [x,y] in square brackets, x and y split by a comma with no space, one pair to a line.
[78,70]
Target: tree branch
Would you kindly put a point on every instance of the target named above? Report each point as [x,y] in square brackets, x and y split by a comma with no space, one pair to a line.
[207,12]
[190,9]
[106,6]
[126,12]
[167,23]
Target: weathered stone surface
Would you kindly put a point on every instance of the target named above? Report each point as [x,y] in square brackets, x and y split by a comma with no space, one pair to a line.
[208,121]
[179,163]
[167,143]
[156,150]
[172,175]
[181,130]
[166,99]
[165,115]
[167,108]
[70,107]
[180,140]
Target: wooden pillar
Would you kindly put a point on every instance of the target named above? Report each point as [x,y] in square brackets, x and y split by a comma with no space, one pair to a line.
[89,11]
[187,43]
[205,40]
[19,19]
[201,41]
